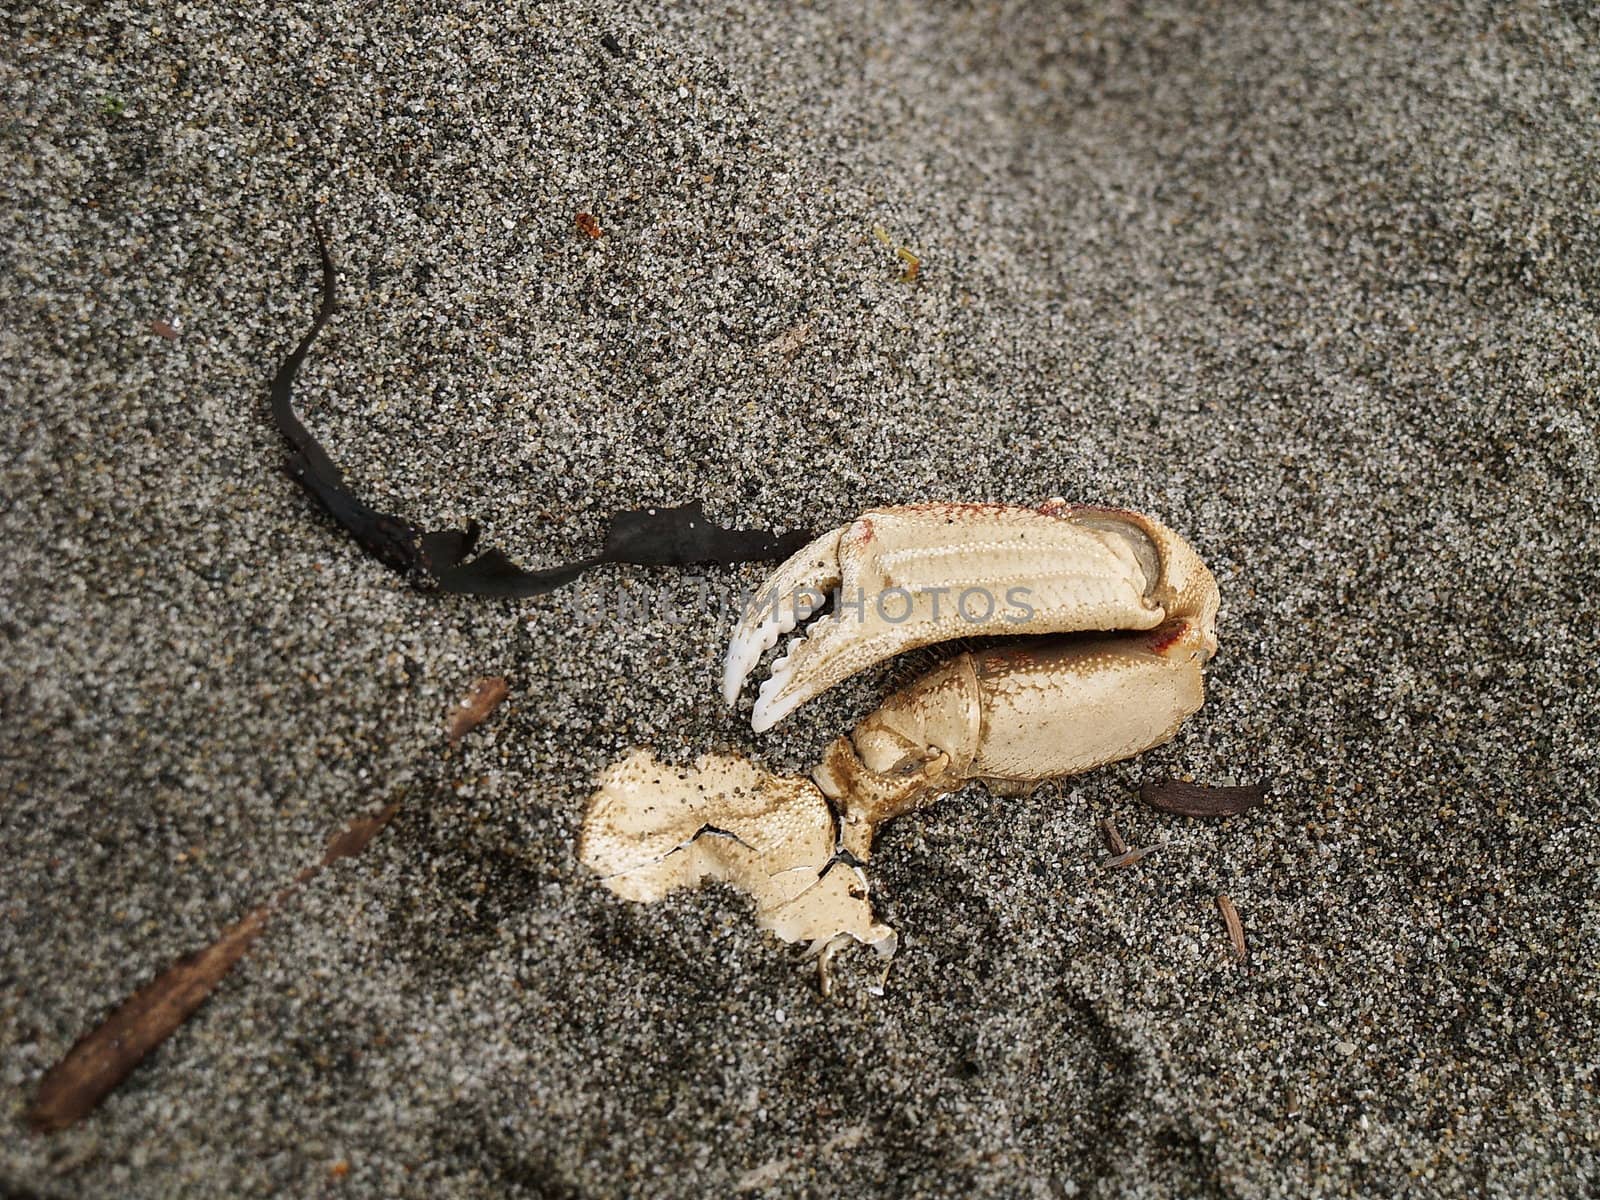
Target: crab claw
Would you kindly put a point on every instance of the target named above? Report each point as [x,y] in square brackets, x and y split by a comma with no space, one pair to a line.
[900,578]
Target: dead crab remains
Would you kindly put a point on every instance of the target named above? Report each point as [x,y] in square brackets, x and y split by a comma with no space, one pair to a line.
[1108,619]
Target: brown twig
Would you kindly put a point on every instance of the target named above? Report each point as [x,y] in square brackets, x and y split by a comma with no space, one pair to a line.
[104,1056]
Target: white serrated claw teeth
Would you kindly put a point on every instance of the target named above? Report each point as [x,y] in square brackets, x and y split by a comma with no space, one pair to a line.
[769,710]
[791,594]
[750,643]
[745,651]
[761,717]
[772,704]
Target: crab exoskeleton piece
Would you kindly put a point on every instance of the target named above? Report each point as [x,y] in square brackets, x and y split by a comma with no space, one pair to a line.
[901,578]
[1113,619]
[1014,716]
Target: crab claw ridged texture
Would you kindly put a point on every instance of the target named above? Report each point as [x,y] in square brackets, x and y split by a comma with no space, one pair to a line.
[1014,716]
[920,574]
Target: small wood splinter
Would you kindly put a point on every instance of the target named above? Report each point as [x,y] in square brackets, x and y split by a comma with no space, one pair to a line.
[1230,918]
[474,709]
[1131,857]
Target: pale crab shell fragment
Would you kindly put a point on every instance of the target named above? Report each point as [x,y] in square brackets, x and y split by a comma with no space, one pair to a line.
[1068,568]
[653,828]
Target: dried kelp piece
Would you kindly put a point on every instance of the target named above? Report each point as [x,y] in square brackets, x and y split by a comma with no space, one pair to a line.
[392,540]
[442,560]
[667,537]
[484,698]
[103,1058]
[646,537]
[1200,800]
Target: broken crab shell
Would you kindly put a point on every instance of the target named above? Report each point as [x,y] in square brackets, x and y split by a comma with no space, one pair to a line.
[1012,715]
[652,829]
[905,577]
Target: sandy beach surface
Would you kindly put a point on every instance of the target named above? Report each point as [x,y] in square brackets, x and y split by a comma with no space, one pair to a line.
[1318,286]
